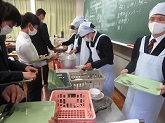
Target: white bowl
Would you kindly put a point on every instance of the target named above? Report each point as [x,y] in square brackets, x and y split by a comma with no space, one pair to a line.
[80,67]
[94,92]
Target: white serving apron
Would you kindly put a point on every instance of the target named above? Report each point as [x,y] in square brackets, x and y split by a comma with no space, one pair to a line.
[107,70]
[140,104]
[76,55]
[84,52]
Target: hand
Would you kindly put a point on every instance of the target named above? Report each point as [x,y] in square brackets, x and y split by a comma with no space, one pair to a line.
[30,69]
[53,120]
[162,88]
[88,66]
[74,50]
[13,93]
[29,75]
[124,71]
[56,55]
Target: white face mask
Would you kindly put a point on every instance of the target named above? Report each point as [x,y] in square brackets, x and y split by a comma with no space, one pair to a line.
[87,39]
[156,28]
[42,20]
[72,30]
[32,32]
[6,30]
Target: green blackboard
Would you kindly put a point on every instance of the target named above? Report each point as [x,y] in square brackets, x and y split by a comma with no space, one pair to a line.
[122,20]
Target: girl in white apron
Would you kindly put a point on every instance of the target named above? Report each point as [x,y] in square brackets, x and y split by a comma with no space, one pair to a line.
[107,70]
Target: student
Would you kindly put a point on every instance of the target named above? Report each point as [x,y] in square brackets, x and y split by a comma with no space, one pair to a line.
[149,62]
[101,54]
[11,71]
[79,47]
[42,42]
[27,53]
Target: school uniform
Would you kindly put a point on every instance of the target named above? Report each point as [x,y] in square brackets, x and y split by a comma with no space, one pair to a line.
[42,42]
[26,54]
[138,104]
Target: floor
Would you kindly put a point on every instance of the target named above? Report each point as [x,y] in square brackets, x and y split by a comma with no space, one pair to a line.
[117,98]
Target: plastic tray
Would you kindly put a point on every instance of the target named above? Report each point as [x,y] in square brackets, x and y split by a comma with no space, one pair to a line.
[84,80]
[73,106]
[62,77]
[31,112]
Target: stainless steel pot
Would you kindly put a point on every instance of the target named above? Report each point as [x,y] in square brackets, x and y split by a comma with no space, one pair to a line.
[67,61]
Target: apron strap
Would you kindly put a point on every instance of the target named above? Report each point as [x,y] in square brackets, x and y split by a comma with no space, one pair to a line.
[98,40]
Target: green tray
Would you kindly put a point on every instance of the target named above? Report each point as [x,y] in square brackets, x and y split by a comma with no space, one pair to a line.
[42,59]
[143,84]
[31,112]
[54,81]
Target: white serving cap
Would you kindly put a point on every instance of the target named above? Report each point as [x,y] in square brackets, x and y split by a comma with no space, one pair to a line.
[85,28]
[158,9]
[77,21]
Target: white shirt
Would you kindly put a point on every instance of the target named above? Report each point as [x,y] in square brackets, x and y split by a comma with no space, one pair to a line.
[26,51]
[158,40]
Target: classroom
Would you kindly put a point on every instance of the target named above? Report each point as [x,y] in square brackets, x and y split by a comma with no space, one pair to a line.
[82,61]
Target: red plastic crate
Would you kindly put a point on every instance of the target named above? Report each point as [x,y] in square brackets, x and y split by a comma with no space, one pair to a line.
[73,106]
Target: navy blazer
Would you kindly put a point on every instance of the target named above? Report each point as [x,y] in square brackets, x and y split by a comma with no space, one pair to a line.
[10,71]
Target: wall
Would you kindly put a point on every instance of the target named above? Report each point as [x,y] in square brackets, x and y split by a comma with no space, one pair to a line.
[79,7]
[122,55]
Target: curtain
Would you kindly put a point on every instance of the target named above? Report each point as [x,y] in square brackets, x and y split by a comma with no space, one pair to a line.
[23,6]
[59,15]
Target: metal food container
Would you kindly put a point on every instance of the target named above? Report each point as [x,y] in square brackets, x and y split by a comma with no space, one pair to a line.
[67,61]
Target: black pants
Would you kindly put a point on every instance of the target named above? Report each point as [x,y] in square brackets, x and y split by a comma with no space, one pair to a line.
[34,88]
[45,74]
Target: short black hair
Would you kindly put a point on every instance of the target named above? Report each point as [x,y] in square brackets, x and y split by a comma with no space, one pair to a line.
[40,11]
[29,17]
[12,14]
[2,11]
[72,27]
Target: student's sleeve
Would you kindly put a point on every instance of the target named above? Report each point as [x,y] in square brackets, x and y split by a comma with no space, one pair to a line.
[70,41]
[134,58]
[45,36]
[10,76]
[107,51]
[16,65]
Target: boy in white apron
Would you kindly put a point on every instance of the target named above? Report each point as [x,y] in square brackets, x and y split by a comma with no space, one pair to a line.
[147,62]
[101,54]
